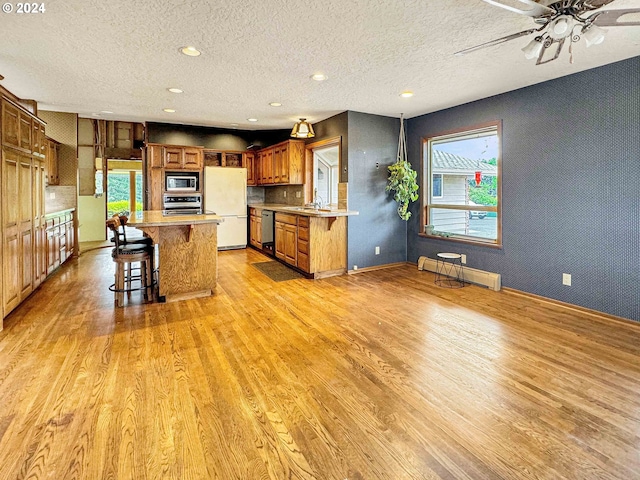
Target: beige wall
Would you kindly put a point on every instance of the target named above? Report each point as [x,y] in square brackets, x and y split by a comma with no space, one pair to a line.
[62,127]
[91,218]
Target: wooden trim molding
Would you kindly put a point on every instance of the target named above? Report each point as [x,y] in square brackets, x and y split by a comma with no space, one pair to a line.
[570,306]
[380,267]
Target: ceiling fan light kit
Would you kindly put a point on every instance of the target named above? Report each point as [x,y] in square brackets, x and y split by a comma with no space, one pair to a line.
[561,21]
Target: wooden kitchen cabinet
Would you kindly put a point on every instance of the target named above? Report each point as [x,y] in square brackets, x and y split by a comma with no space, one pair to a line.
[26,131]
[249,163]
[255,227]
[314,245]
[60,239]
[38,139]
[302,261]
[39,226]
[11,241]
[265,158]
[53,151]
[291,244]
[152,161]
[282,164]
[182,158]
[10,125]
[158,159]
[24,172]
[286,233]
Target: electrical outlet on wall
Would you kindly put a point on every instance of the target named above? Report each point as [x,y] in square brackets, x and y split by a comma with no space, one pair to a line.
[566,279]
[377,250]
[297,194]
[285,194]
[463,259]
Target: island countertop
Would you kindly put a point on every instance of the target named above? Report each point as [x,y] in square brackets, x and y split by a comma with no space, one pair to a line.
[305,211]
[155,218]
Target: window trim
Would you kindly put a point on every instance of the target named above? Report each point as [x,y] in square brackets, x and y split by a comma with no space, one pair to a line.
[426,187]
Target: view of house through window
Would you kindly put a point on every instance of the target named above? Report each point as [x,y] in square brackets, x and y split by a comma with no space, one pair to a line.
[462,184]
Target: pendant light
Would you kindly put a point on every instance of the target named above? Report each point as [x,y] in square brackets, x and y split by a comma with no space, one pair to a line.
[302,129]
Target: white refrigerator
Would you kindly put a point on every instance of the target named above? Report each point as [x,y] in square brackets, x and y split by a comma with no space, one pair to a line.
[225,194]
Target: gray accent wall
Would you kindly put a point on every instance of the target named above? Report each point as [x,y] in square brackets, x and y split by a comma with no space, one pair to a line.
[570,187]
[373,146]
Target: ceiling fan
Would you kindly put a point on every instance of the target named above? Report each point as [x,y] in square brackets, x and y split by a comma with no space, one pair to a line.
[560,21]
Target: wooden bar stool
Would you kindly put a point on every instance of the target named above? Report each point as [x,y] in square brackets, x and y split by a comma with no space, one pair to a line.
[146,241]
[124,255]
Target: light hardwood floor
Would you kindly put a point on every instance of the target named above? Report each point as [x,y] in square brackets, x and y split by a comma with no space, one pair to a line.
[380,375]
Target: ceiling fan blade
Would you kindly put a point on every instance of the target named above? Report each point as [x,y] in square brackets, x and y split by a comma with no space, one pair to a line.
[611,18]
[496,41]
[593,4]
[535,9]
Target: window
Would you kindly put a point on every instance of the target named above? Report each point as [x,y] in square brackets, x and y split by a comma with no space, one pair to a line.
[436,185]
[462,188]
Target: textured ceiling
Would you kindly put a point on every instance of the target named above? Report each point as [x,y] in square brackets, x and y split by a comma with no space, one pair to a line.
[86,56]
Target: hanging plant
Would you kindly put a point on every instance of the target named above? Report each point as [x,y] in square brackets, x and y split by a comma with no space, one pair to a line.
[403,178]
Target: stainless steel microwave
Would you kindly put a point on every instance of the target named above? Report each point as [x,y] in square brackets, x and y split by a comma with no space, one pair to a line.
[181,183]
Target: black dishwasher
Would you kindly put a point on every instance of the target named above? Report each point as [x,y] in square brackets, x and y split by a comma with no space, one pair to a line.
[268,229]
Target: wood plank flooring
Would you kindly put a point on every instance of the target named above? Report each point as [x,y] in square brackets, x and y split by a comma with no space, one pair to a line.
[380,375]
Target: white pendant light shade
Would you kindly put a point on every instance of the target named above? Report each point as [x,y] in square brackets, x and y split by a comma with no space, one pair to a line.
[533,49]
[593,35]
[302,129]
[561,27]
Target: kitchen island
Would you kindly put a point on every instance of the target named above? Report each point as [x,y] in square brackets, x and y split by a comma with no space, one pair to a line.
[188,252]
[311,240]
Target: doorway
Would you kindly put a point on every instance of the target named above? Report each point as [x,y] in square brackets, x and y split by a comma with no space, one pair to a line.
[322,165]
[124,188]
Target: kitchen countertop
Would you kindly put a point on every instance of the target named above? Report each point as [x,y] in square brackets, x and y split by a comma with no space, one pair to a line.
[59,212]
[305,211]
[154,218]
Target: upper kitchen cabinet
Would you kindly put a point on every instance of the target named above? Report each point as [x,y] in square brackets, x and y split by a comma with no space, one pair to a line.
[250,164]
[10,125]
[38,144]
[182,158]
[51,156]
[282,163]
[220,158]
[265,159]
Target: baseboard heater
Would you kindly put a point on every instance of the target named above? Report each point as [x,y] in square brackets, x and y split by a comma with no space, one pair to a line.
[479,277]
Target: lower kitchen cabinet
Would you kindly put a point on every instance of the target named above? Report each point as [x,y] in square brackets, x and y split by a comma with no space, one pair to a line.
[314,245]
[286,232]
[255,227]
[60,239]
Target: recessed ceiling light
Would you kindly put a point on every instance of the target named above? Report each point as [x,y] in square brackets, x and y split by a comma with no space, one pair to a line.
[169,110]
[106,111]
[319,77]
[233,124]
[190,51]
[252,119]
[406,94]
[275,104]
[95,114]
[175,90]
